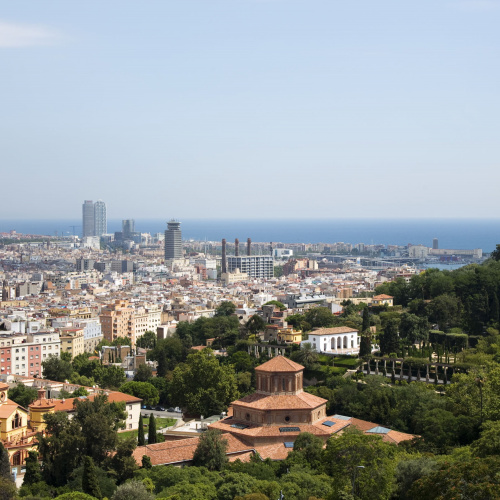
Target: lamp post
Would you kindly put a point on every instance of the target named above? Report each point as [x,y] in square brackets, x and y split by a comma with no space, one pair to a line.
[354,472]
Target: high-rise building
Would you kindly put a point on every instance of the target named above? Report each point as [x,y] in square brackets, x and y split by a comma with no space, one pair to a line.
[435,244]
[94,222]
[173,240]
[128,228]
[100,220]
[87,218]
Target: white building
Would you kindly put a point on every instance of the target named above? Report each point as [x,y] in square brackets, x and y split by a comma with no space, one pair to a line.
[338,340]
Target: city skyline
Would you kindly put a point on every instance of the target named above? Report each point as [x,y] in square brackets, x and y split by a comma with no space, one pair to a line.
[261,109]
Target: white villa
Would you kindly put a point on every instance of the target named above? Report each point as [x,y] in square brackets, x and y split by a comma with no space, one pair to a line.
[338,340]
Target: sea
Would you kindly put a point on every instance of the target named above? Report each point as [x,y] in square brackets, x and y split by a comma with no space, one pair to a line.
[451,233]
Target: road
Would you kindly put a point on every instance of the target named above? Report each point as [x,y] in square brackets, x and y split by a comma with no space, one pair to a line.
[162,414]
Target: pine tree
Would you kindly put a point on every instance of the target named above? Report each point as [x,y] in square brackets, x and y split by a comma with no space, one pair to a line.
[33,473]
[152,430]
[140,434]
[90,483]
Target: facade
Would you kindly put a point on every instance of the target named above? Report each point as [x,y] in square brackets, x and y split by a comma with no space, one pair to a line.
[380,300]
[45,405]
[87,218]
[122,320]
[256,266]
[15,435]
[23,354]
[100,219]
[94,220]
[72,341]
[128,228]
[173,240]
[338,340]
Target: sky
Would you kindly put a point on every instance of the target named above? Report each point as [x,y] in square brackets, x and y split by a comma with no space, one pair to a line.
[250,108]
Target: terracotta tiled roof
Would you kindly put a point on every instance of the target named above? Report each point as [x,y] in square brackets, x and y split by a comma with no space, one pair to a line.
[302,400]
[68,404]
[333,331]
[391,436]
[383,296]
[182,450]
[279,364]
[8,408]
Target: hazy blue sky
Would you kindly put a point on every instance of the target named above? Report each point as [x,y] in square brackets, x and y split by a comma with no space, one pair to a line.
[250,108]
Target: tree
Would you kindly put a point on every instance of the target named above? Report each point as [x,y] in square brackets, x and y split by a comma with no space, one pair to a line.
[90,483]
[144,373]
[310,447]
[152,430]
[319,317]
[99,422]
[4,463]
[143,390]
[55,368]
[122,464]
[33,473]
[366,320]
[345,455]
[211,450]
[255,324]
[80,392]
[472,478]
[140,433]
[226,308]
[489,442]
[306,356]
[8,489]
[365,346]
[146,462]
[202,385]
[495,255]
[413,329]
[389,341]
[22,395]
[133,490]
[146,341]
[276,303]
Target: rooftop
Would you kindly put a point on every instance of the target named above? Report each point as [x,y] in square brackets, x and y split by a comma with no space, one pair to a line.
[279,364]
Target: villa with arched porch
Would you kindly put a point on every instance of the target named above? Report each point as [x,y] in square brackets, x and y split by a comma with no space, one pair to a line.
[338,340]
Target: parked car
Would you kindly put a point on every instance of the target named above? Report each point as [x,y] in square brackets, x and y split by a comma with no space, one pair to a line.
[171,410]
[159,408]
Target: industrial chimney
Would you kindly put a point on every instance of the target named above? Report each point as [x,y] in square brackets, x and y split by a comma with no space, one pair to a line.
[236,247]
[224,266]
[249,246]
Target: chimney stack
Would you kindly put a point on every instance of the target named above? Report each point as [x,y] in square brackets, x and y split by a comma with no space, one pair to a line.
[236,247]
[249,246]
[224,267]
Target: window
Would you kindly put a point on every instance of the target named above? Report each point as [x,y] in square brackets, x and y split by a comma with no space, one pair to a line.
[129,407]
[130,416]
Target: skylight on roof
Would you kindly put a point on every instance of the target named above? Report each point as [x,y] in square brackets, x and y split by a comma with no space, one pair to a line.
[289,429]
[379,430]
[328,423]
[240,426]
[341,417]
[288,444]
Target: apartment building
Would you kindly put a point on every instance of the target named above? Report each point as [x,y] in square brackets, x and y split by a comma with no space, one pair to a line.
[122,319]
[72,341]
[23,354]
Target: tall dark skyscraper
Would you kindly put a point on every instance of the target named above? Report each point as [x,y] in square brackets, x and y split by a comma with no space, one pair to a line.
[128,227]
[94,221]
[173,240]
[435,244]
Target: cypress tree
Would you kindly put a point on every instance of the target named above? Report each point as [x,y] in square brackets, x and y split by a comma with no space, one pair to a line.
[152,430]
[140,434]
[146,462]
[90,483]
[33,473]
[4,463]
[366,320]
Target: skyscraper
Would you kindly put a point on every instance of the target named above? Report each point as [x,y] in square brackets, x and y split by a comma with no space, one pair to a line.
[100,221]
[94,222]
[87,218]
[173,240]
[128,227]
